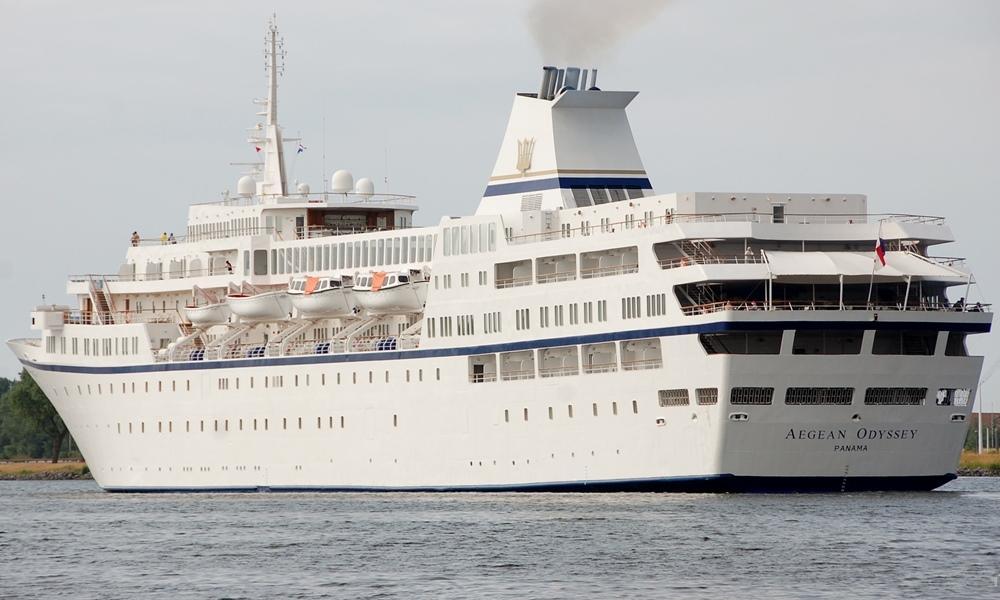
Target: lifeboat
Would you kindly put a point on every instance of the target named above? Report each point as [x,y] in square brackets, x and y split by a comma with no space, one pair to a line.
[391,292]
[208,315]
[212,312]
[322,297]
[263,306]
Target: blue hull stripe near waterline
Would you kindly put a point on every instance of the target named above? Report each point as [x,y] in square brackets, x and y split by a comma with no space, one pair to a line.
[726,483]
[615,336]
[567,183]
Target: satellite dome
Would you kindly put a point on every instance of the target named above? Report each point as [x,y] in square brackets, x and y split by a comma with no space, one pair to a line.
[365,187]
[246,186]
[303,188]
[342,182]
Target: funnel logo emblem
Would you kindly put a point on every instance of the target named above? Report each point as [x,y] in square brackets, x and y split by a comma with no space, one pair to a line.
[525,148]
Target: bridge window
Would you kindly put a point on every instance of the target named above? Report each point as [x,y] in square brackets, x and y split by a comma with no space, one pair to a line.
[910,343]
[742,342]
[827,342]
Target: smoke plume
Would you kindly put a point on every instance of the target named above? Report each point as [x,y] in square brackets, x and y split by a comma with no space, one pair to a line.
[582,31]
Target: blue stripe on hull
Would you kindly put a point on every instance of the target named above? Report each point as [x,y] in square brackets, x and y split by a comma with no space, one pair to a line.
[566,183]
[512,346]
[705,484]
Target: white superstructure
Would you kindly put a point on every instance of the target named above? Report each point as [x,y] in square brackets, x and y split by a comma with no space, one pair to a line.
[579,331]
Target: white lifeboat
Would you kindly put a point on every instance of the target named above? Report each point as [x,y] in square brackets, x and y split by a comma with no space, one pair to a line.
[249,304]
[322,297]
[392,292]
[207,315]
[212,312]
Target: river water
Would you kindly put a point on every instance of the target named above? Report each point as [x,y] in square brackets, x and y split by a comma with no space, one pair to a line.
[69,539]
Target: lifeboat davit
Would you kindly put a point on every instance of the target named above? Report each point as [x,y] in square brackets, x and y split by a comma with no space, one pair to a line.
[208,315]
[391,292]
[265,306]
[322,297]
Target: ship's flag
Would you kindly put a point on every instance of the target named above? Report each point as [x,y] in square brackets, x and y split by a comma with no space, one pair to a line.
[257,148]
[880,250]
[301,149]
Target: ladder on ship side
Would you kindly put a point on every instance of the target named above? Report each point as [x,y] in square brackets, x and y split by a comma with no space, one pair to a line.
[283,339]
[218,346]
[694,249]
[341,342]
[101,300]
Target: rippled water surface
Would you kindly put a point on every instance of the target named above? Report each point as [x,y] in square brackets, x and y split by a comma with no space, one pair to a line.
[69,539]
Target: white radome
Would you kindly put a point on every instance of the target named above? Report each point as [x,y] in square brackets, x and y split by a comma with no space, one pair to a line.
[365,187]
[246,186]
[342,182]
[303,188]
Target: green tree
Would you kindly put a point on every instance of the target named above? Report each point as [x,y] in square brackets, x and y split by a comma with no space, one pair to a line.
[28,402]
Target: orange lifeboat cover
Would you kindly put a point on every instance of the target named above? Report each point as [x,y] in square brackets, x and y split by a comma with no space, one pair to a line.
[377,280]
[311,283]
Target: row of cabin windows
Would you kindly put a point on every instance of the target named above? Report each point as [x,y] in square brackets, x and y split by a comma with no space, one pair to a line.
[227,383]
[571,412]
[563,361]
[444,281]
[469,239]
[833,342]
[825,396]
[345,255]
[249,424]
[114,346]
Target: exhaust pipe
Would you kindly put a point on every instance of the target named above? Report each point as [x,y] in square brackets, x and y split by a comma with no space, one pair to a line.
[547,74]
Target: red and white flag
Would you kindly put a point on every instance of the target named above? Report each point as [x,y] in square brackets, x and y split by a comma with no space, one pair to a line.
[880,250]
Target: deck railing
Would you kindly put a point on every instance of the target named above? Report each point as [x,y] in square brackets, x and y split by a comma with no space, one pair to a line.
[637,222]
[608,271]
[514,282]
[641,365]
[517,375]
[712,307]
[558,371]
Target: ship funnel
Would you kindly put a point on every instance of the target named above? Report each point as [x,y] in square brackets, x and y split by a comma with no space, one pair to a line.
[547,74]
[572,80]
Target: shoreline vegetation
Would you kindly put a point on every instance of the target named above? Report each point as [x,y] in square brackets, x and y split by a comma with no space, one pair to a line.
[970,465]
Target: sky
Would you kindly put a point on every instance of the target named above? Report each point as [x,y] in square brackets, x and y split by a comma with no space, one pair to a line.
[119,114]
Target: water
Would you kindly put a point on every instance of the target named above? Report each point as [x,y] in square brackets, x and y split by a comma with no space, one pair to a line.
[70,539]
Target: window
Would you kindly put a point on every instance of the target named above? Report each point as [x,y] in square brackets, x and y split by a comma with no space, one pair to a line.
[953,397]
[602,310]
[707,396]
[674,397]
[827,342]
[910,343]
[630,308]
[751,395]
[888,396]
[656,305]
[741,342]
[814,396]
[954,347]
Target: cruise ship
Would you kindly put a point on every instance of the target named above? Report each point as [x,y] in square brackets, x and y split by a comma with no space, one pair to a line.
[578,331]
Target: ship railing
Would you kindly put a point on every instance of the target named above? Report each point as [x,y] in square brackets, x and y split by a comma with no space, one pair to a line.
[712,307]
[687,261]
[321,231]
[641,365]
[632,222]
[558,371]
[514,282]
[160,276]
[609,271]
[482,377]
[517,375]
[121,317]
[553,277]
[600,368]
[330,198]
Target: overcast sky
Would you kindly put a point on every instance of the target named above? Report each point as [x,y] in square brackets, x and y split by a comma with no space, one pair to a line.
[117,115]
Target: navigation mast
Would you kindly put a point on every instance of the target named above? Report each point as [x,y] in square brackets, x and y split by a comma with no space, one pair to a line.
[267,140]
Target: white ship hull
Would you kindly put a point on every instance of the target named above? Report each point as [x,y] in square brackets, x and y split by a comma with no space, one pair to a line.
[455,434]
[324,304]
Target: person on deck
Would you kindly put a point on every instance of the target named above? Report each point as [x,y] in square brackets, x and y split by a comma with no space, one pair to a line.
[163,238]
[172,239]
[135,238]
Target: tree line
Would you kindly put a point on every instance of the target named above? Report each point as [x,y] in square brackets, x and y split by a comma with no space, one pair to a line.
[30,427]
